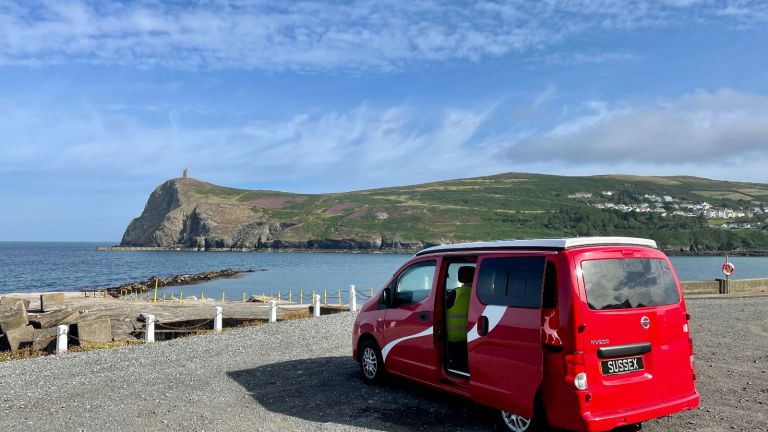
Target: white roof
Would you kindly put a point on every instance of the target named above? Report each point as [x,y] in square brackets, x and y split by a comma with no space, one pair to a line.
[553,243]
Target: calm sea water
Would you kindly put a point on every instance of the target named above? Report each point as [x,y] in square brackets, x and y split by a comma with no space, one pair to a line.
[33,266]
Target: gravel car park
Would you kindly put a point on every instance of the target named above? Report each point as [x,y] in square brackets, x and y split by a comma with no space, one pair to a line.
[299,375]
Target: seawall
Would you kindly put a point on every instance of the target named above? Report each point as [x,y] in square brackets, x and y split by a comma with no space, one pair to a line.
[722,286]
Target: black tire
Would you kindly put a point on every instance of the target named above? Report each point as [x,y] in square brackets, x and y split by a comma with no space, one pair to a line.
[371,363]
[516,423]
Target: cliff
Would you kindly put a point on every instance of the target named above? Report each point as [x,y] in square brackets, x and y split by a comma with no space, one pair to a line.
[186,213]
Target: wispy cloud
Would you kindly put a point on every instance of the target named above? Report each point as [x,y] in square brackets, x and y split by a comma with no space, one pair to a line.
[308,35]
[360,147]
[371,146]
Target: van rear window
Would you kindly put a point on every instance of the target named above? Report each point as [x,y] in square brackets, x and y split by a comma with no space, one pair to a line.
[629,283]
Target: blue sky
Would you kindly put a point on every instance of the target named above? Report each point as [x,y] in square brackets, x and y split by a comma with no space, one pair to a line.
[102,101]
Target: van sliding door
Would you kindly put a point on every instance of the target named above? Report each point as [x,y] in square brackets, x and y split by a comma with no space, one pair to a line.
[504,342]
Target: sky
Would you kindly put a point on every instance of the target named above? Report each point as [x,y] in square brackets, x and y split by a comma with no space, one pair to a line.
[102,101]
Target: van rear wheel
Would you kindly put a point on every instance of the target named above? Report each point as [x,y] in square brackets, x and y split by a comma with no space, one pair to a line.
[371,362]
[517,423]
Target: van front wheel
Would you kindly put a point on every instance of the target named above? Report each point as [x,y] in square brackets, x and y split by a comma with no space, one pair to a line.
[371,362]
[517,423]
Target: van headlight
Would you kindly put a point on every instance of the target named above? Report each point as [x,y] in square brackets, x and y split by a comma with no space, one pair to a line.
[580,381]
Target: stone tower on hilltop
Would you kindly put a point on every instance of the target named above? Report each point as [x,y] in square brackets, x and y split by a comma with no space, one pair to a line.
[185,174]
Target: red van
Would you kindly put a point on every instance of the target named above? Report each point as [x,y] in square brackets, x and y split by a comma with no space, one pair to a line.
[585,334]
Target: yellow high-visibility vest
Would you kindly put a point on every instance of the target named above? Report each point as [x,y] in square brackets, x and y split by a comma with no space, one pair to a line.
[456,316]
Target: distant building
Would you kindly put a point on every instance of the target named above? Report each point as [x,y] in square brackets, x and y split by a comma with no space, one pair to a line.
[580,195]
[185,174]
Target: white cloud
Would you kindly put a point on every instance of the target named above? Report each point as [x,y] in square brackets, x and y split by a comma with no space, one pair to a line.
[725,127]
[352,35]
[361,147]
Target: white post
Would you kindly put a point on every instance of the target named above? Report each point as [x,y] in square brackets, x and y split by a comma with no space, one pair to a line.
[149,328]
[217,319]
[317,305]
[272,311]
[62,334]
[352,298]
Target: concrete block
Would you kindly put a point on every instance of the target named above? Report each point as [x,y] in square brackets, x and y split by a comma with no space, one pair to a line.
[328,309]
[13,316]
[7,301]
[13,338]
[52,319]
[44,339]
[123,330]
[99,330]
[51,301]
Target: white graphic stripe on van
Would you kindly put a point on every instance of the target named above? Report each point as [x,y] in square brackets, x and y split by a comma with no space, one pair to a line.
[388,347]
[494,314]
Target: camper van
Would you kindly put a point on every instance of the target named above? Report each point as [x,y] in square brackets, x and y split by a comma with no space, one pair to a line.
[583,334]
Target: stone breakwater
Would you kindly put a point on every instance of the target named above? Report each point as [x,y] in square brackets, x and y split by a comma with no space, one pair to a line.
[144,286]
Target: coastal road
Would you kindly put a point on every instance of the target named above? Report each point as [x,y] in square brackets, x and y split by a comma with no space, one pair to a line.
[297,375]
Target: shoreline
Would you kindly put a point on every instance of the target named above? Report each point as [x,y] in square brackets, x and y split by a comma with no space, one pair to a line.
[404,251]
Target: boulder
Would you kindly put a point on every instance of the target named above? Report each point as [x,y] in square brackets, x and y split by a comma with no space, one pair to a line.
[52,319]
[255,299]
[13,316]
[51,301]
[123,329]
[7,301]
[13,338]
[44,339]
[99,330]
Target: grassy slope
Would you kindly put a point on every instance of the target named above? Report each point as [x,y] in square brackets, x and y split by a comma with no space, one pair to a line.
[508,205]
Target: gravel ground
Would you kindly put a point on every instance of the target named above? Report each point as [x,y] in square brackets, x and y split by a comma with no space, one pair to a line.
[298,375]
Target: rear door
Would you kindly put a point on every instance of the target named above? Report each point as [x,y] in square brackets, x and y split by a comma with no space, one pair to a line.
[504,342]
[409,347]
[626,297]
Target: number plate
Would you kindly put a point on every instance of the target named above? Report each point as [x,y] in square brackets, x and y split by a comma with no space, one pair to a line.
[622,366]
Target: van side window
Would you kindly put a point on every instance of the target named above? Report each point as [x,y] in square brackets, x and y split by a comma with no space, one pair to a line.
[415,284]
[549,298]
[511,281]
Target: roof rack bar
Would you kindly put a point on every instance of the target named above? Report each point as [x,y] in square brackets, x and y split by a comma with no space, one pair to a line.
[542,244]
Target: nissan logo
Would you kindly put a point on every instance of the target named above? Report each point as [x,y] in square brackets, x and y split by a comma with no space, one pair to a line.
[645,322]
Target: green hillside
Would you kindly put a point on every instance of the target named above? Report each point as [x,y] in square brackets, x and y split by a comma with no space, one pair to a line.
[511,205]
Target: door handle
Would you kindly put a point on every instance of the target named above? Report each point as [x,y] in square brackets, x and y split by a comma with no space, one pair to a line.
[482,325]
[424,316]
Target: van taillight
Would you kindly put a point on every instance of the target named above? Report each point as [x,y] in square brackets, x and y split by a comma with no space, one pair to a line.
[575,374]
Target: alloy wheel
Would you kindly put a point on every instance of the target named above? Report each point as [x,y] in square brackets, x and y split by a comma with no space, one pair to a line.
[515,422]
[370,363]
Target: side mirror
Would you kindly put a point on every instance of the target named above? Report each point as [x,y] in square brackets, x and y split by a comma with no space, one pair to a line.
[386,297]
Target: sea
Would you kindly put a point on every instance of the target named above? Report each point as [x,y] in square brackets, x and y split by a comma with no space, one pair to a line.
[73,266]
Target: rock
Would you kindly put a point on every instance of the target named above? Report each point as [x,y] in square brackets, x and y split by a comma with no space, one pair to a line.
[13,316]
[255,299]
[52,319]
[51,301]
[95,331]
[7,301]
[13,338]
[123,330]
[44,339]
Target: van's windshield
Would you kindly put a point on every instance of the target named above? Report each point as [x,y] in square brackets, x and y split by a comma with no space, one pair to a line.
[629,283]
